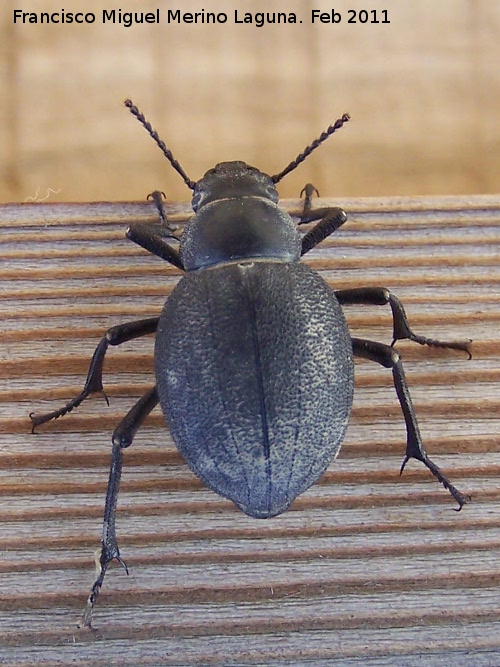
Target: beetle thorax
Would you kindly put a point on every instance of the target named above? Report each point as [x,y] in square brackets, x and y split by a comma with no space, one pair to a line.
[237,218]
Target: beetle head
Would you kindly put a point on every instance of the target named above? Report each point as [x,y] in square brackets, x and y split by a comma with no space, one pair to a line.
[231,180]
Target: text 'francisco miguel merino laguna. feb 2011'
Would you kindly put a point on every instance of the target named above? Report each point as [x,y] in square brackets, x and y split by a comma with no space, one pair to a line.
[257,19]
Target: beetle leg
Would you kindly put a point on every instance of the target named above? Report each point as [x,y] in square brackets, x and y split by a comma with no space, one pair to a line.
[330,219]
[389,358]
[114,336]
[152,237]
[380,296]
[308,191]
[123,436]
[157,197]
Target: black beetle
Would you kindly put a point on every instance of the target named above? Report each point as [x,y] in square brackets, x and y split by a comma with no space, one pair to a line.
[253,357]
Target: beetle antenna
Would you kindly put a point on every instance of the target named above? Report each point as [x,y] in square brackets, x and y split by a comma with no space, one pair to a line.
[166,152]
[307,151]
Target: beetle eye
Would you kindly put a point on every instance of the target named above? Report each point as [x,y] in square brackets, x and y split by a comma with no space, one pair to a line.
[196,200]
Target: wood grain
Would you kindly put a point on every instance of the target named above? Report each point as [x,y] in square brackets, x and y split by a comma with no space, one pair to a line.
[366,566]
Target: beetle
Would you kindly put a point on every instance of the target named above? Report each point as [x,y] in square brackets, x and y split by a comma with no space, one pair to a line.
[253,357]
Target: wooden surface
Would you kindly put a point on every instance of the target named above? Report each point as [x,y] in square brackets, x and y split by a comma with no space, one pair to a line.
[366,568]
[423,93]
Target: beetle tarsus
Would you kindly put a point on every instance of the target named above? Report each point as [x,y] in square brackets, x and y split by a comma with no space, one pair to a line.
[402,330]
[104,563]
[464,346]
[158,197]
[308,191]
[461,498]
[36,420]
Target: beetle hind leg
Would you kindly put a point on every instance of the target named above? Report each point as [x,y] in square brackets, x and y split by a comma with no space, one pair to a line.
[389,358]
[123,436]
[380,296]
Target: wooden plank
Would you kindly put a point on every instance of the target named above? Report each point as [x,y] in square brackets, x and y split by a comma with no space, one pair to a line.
[365,566]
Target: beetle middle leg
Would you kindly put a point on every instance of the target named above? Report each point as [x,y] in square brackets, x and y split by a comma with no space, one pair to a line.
[389,358]
[380,296]
[114,336]
[330,219]
[123,436]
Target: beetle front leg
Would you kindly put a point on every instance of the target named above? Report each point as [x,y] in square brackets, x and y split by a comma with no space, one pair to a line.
[152,237]
[122,438]
[389,358]
[308,191]
[330,219]
[380,296]
[157,198]
[114,336]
